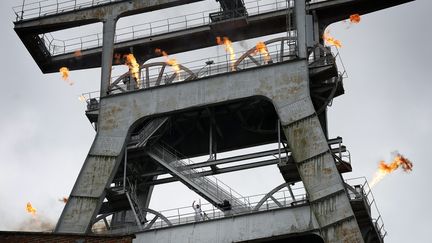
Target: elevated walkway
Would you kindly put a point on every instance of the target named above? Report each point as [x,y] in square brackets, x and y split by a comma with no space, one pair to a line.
[326,81]
[259,225]
[266,19]
[282,213]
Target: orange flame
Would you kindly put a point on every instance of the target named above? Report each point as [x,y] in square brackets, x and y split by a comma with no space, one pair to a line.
[172,62]
[63,199]
[82,98]
[228,48]
[384,169]
[30,209]
[77,53]
[330,40]
[133,66]
[262,48]
[64,71]
[355,18]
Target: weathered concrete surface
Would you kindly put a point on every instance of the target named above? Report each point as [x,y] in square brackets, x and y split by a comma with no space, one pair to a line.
[281,83]
[321,179]
[239,228]
[284,84]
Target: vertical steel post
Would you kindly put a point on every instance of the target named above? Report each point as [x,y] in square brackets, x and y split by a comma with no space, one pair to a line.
[109,25]
[279,140]
[22,10]
[316,32]
[124,170]
[211,140]
[300,21]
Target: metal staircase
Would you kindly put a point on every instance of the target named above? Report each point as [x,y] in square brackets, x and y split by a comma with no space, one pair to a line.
[210,188]
[140,140]
[134,203]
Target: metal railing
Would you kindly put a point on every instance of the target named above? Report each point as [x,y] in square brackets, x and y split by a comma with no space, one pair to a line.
[57,46]
[363,189]
[37,9]
[210,184]
[140,138]
[91,99]
[41,8]
[211,66]
[186,215]
[206,67]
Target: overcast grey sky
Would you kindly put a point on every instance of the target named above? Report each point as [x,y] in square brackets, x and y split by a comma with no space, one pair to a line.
[45,135]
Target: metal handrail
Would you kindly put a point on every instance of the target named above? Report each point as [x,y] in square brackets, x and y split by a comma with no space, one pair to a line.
[254,7]
[202,69]
[43,8]
[209,183]
[217,67]
[57,46]
[367,194]
[185,215]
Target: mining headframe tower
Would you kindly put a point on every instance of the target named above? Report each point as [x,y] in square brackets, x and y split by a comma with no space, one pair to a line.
[152,120]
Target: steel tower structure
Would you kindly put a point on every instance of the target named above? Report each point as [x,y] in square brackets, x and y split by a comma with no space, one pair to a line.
[151,122]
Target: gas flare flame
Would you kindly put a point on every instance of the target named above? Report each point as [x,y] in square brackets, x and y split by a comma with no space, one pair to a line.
[77,53]
[63,199]
[64,71]
[30,209]
[330,40]
[262,49]
[82,98]
[133,66]
[226,42]
[355,18]
[172,62]
[384,169]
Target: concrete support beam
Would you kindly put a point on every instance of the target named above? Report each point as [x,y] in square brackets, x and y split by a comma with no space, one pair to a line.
[243,228]
[118,113]
[286,85]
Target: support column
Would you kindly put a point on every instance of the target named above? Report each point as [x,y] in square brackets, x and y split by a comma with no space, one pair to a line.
[300,21]
[109,26]
[97,173]
[327,195]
